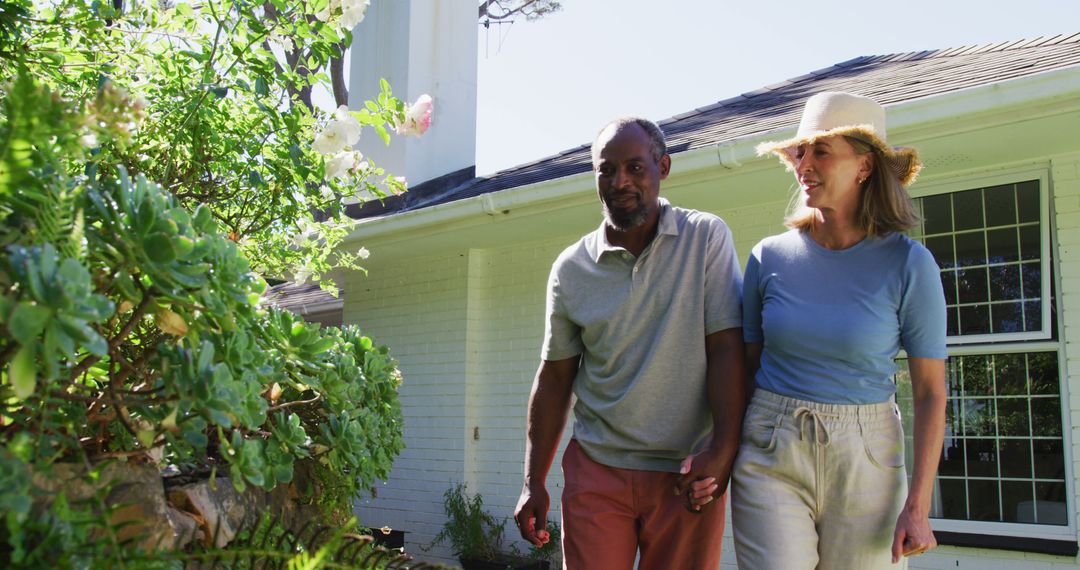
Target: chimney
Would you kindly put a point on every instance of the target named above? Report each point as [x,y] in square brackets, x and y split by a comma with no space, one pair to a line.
[420,46]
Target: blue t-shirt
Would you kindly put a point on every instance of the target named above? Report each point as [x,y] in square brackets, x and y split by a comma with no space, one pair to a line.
[832,321]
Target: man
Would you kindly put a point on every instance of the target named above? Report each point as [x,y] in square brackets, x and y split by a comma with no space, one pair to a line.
[643,326]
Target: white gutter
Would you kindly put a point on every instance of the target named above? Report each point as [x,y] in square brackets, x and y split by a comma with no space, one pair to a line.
[326,307]
[1048,86]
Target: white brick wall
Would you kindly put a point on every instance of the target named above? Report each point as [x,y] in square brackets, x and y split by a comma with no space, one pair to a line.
[466,327]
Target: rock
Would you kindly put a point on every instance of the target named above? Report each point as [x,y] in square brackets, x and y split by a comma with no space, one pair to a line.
[184,527]
[219,509]
[134,490]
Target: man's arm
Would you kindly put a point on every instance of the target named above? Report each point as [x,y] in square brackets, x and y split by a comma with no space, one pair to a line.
[549,405]
[708,472]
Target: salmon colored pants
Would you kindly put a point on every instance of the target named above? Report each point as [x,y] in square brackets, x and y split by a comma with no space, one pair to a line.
[609,514]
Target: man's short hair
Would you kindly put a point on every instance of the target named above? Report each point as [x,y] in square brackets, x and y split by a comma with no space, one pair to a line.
[656,136]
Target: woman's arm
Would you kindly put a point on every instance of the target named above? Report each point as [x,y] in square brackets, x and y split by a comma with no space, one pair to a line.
[913,534]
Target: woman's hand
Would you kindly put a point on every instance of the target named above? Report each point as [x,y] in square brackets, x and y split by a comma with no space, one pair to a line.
[913,534]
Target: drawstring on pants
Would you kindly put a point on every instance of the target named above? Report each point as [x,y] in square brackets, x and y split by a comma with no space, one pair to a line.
[821,434]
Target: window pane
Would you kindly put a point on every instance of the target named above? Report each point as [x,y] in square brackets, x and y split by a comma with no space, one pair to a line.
[1029,243]
[1046,417]
[952,458]
[983,501]
[953,499]
[1007,317]
[937,214]
[948,283]
[942,248]
[1031,277]
[1050,505]
[1013,417]
[1000,205]
[979,418]
[1049,456]
[975,319]
[1032,316]
[1002,245]
[970,248]
[972,285]
[1018,501]
[1027,199]
[977,378]
[952,326]
[967,210]
[1005,283]
[1043,373]
[981,458]
[1010,374]
[1016,458]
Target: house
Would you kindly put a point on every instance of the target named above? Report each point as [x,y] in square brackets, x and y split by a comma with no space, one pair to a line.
[457,276]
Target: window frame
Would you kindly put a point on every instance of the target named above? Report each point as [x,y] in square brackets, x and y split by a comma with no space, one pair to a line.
[961,184]
[1047,340]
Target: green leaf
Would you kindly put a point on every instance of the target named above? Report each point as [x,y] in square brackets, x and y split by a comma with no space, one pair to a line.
[159,248]
[203,219]
[27,321]
[22,373]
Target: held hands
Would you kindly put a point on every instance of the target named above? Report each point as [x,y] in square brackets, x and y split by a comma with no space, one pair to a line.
[913,535]
[531,516]
[703,478]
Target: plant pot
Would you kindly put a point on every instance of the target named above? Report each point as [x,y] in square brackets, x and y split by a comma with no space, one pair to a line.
[507,563]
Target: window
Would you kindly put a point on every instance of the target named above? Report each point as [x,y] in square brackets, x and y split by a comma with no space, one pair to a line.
[1003,466]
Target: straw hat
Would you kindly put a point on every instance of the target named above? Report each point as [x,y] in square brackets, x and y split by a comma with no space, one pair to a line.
[834,113]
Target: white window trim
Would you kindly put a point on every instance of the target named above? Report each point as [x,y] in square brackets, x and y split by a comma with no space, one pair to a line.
[1041,174]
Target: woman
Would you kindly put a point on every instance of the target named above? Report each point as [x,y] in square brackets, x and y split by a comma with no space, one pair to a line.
[820,481]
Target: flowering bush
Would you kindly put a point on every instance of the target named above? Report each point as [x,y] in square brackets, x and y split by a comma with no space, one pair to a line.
[146,155]
[211,100]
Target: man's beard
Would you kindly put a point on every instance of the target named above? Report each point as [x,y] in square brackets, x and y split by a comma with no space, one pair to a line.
[624,220]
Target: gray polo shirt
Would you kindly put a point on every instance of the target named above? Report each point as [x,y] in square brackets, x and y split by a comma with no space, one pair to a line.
[640,324]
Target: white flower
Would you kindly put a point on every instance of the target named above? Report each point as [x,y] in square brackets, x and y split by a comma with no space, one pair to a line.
[352,12]
[324,14]
[307,230]
[326,192]
[363,253]
[89,140]
[340,134]
[338,166]
[301,276]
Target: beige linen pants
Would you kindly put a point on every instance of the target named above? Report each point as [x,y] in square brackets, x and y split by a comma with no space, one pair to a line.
[817,485]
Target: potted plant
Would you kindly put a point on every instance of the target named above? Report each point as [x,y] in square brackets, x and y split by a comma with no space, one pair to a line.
[476,537]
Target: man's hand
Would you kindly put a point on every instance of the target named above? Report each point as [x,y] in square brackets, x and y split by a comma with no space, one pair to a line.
[703,478]
[913,535]
[531,516]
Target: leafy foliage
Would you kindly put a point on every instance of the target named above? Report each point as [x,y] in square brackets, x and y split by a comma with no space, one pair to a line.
[472,531]
[131,326]
[208,99]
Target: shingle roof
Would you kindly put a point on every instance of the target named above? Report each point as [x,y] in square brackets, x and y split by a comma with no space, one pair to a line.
[294,297]
[886,78]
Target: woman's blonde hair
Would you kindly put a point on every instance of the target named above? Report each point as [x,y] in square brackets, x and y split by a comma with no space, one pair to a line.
[884,207]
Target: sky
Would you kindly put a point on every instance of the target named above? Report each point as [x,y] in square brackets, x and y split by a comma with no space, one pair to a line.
[549,85]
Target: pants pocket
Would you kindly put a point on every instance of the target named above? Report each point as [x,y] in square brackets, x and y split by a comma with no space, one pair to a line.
[884,444]
[759,430]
